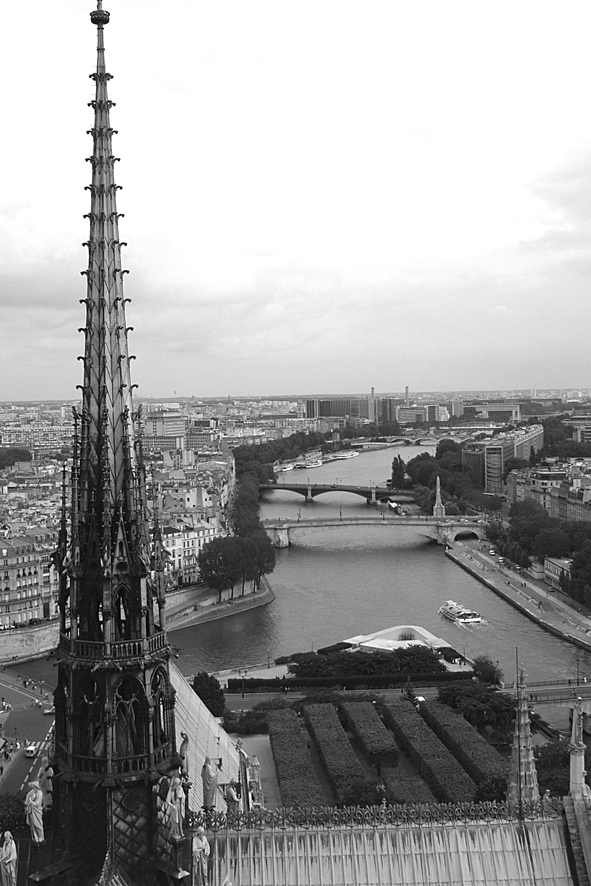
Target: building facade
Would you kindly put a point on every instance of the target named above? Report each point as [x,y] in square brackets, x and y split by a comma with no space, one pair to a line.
[29,579]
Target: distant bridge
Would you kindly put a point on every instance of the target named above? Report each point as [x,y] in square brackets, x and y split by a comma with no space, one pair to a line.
[372,494]
[443,530]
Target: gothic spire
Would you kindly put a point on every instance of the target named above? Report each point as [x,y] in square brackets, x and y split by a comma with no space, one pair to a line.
[523,777]
[114,703]
[109,500]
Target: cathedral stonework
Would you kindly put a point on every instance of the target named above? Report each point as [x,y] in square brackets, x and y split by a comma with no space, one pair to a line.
[114,702]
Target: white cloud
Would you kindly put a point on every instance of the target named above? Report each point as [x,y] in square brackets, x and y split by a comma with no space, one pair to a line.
[321,196]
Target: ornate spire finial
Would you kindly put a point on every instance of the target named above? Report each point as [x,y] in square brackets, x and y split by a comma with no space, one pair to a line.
[99,16]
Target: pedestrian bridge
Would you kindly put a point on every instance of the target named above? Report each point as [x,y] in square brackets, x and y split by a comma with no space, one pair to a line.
[443,530]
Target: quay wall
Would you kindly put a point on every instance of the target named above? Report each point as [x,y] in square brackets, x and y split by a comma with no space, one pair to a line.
[31,642]
[513,597]
[36,641]
[212,610]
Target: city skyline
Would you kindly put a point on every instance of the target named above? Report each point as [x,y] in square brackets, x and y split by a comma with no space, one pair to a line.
[348,200]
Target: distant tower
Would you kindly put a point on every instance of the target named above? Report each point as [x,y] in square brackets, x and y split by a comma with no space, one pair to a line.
[438,507]
[114,726]
[523,778]
[406,400]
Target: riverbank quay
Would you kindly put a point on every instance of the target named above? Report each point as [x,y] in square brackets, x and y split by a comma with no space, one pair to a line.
[530,597]
[199,605]
[206,606]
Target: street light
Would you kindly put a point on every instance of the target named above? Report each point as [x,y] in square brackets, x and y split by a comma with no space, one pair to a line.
[242,674]
[578,669]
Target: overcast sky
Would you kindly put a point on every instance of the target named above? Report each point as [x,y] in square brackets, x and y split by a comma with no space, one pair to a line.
[320,195]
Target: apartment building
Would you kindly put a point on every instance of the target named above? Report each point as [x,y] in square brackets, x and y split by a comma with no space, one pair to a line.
[29,581]
[183,542]
[535,484]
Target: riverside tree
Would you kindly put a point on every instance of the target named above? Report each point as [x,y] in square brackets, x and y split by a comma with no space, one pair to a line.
[224,562]
[210,692]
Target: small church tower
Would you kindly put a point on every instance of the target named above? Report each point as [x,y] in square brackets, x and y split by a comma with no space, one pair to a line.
[523,777]
[114,725]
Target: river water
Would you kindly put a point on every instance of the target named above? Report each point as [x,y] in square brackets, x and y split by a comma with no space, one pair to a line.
[343,581]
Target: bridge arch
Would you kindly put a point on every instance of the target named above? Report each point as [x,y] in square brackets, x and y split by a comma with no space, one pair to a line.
[442,531]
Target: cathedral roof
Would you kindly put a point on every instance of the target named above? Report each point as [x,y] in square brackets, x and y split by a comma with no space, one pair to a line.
[420,852]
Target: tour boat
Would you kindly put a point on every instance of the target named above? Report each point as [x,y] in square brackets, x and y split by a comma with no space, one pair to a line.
[314,463]
[460,614]
[288,466]
[349,453]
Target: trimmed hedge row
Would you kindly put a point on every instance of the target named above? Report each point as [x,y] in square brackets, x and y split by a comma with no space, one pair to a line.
[368,681]
[480,760]
[407,789]
[342,766]
[442,772]
[376,741]
[298,784]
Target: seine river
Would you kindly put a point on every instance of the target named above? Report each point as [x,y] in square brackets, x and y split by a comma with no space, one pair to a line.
[340,582]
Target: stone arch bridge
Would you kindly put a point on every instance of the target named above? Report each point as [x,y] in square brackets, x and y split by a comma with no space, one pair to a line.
[443,530]
[373,494]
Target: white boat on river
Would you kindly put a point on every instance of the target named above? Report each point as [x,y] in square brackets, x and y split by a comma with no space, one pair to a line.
[460,614]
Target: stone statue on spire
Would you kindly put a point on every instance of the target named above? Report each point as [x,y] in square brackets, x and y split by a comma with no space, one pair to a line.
[578,787]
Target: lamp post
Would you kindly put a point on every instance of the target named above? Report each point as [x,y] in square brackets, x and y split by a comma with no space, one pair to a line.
[242,674]
[578,670]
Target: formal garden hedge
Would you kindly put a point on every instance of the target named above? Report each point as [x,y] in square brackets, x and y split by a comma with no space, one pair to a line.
[338,757]
[376,742]
[449,782]
[480,760]
[406,789]
[365,681]
[298,784]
